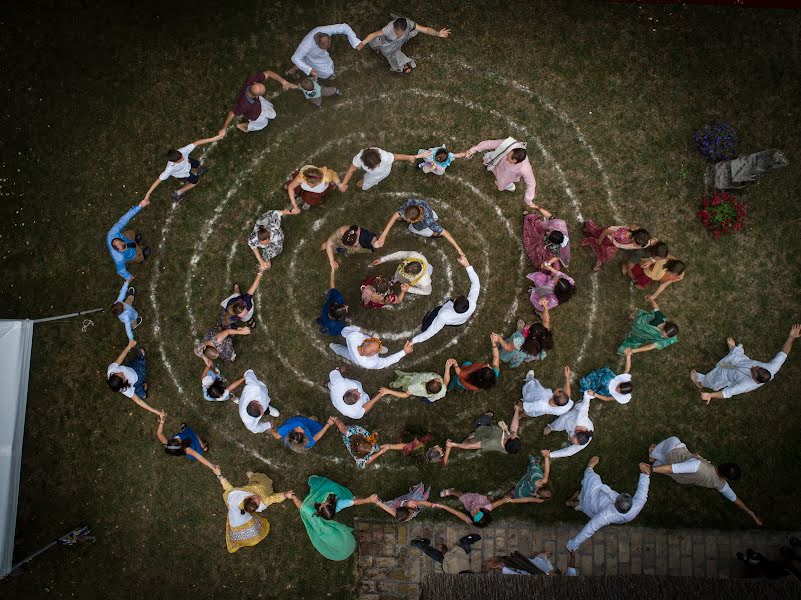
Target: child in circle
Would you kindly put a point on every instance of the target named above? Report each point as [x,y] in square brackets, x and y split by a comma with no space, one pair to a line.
[438,160]
[314,92]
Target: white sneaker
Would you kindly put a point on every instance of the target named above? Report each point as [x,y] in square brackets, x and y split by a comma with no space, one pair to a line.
[510,188]
[383,350]
[273,411]
[234,399]
[530,375]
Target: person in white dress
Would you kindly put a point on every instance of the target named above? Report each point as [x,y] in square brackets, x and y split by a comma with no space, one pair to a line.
[603,505]
[348,395]
[377,164]
[672,458]
[736,373]
[539,400]
[365,351]
[578,426]
[454,312]
[254,402]
[311,55]
[414,270]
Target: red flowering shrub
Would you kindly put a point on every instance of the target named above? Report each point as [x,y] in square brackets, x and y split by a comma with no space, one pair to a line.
[722,213]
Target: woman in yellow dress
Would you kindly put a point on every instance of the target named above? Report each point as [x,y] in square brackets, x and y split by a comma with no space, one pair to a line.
[245,527]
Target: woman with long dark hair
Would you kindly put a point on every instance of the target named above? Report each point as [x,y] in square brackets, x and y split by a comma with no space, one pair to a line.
[184,443]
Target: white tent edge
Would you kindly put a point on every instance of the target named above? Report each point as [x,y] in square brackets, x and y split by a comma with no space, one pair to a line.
[16,339]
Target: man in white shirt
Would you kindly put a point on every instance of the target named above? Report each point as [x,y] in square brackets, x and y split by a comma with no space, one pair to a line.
[578,426]
[348,395]
[539,400]
[454,312]
[414,270]
[738,374]
[603,505]
[377,164]
[183,167]
[254,402]
[363,350]
[672,458]
[311,55]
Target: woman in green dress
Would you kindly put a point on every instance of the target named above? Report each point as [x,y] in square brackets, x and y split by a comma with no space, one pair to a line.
[651,331]
[536,482]
[326,498]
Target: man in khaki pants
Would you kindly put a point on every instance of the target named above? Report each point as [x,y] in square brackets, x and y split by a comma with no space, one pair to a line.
[672,458]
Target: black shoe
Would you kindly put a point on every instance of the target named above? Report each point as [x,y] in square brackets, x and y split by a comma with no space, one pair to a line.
[138,238]
[421,543]
[471,538]
[131,291]
[146,251]
[201,171]
[138,322]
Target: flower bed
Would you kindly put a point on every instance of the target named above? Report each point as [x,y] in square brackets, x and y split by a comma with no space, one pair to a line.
[717,141]
[722,213]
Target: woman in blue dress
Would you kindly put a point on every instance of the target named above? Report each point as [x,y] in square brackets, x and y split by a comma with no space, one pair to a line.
[332,317]
[301,433]
[185,443]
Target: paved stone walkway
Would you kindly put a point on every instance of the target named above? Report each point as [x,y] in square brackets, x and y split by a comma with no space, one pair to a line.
[389,568]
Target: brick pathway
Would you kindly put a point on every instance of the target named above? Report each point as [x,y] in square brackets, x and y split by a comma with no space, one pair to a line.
[389,568]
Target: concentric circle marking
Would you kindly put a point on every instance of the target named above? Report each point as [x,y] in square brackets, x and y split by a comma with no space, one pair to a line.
[218,211]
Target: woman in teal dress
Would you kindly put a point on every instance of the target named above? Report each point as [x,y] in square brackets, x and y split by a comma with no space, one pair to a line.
[606,385]
[535,483]
[650,331]
[326,498]
[528,343]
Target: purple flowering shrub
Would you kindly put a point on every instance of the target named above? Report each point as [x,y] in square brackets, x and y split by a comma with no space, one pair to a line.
[717,141]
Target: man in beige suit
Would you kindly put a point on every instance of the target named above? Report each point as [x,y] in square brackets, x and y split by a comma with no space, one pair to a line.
[672,458]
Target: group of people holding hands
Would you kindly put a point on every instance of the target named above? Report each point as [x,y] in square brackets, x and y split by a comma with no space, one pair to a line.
[546,241]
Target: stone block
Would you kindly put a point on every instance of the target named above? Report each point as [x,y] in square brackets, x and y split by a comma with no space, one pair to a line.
[451,537]
[686,544]
[711,567]
[585,564]
[500,541]
[365,561]
[513,539]
[661,547]
[610,565]
[635,544]
[598,554]
[687,566]
[623,551]
[384,562]
[403,535]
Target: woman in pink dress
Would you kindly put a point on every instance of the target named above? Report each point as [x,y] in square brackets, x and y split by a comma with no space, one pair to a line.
[551,285]
[545,238]
[604,241]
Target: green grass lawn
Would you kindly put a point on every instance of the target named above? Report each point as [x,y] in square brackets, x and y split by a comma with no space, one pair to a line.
[95,98]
